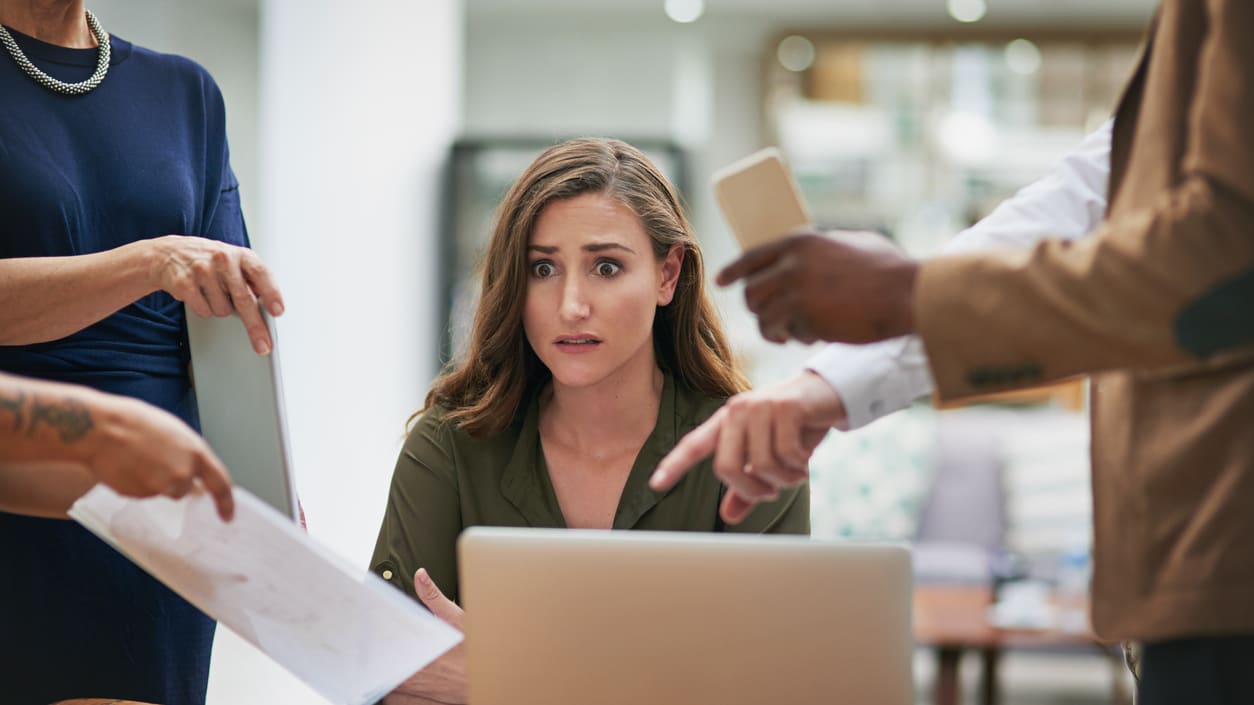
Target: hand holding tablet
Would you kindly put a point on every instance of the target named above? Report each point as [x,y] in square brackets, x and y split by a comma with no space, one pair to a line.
[239,396]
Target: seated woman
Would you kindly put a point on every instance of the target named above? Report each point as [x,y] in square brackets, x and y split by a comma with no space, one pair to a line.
[594,350]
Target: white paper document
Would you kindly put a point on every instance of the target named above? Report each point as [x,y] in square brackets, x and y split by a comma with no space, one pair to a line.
[344,631]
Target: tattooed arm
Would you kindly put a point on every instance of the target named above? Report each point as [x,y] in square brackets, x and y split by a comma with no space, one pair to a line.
[56,440]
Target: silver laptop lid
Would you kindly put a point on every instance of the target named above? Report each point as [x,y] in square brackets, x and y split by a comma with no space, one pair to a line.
[569,617]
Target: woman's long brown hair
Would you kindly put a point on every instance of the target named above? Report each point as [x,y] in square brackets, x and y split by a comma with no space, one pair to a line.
[483,390]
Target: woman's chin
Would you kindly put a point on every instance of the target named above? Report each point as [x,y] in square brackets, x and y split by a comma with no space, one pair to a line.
[577,381]
[578,376]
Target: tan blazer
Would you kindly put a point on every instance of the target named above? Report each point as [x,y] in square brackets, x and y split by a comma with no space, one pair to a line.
[1160,304]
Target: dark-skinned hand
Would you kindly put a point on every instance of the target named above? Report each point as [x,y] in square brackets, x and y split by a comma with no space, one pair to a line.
[849,287]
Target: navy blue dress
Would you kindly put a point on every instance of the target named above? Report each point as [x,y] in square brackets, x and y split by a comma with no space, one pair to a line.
[143,155]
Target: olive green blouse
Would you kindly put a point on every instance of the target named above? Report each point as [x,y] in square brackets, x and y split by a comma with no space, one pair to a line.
[446,481]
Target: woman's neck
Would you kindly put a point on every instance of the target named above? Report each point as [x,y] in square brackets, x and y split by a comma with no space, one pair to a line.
[621,410]
[60,22]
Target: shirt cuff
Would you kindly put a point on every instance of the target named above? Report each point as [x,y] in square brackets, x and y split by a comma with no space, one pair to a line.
[875,380]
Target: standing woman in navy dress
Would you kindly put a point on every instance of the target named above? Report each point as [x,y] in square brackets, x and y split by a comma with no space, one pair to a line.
[117,206]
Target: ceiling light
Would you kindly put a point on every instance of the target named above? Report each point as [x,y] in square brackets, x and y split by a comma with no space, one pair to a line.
[684,11]
[967,10]
[1022,57]
[795,53]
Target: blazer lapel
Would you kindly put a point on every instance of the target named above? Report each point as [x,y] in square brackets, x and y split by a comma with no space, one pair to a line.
[1126,112]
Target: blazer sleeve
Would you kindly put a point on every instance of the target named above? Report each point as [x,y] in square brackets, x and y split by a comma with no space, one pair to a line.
[1170,284]
[423,515]
[877,379]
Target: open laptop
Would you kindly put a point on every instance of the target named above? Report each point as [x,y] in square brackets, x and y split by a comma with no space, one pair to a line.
[570,617]
[239,395]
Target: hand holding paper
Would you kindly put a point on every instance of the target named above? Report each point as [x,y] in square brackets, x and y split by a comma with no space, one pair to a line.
[343,631]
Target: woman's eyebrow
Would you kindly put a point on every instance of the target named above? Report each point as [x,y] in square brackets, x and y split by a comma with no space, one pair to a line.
[591,247]
[603,246]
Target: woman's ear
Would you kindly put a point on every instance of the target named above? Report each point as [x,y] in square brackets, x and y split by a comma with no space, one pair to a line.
[671,267]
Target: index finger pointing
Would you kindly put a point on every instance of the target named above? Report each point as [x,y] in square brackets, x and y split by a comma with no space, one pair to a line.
[691,449]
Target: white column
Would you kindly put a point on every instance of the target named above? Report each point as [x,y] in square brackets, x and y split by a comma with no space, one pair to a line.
[359,104]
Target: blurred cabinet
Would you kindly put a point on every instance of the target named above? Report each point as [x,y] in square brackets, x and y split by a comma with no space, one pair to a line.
[918,135]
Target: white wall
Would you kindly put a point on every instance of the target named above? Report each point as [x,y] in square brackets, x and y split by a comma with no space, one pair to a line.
[357,114]
[358,106]
[557,75]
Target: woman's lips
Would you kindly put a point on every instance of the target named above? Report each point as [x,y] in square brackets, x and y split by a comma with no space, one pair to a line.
[578,343]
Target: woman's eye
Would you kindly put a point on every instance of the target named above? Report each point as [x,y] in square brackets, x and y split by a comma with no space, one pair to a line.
[542,270]
[606,268]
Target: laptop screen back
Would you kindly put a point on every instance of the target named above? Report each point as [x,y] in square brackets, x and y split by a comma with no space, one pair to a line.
[569,617]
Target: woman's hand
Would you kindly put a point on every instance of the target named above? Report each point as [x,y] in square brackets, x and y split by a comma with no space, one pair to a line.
[48,298]
[216,279]
[58,430]
[140,450]
[443,680]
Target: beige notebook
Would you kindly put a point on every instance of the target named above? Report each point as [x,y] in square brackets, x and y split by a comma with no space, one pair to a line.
[759,198]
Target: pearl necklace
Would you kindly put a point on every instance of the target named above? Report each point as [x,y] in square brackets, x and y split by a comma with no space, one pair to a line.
[102,63]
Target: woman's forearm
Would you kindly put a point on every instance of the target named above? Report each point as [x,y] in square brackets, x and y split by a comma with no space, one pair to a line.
[47,298]
[42,489]
[43,421]
[56,439]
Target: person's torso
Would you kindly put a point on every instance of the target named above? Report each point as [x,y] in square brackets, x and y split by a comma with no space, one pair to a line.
[142,155]
[505,480]
[1173,450]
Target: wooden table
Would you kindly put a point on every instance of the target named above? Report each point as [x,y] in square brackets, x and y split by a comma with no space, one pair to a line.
[954,619]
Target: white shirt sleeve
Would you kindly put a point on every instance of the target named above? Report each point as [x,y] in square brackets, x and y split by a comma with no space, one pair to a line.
[1068,202]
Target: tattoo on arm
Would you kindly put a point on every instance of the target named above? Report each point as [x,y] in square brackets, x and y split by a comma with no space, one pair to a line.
[14,404]
[70,418]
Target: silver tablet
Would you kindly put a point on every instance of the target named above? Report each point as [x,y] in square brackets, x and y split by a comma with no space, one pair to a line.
[240,398]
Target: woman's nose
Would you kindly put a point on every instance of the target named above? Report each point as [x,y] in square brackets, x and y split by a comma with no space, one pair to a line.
[574,305]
